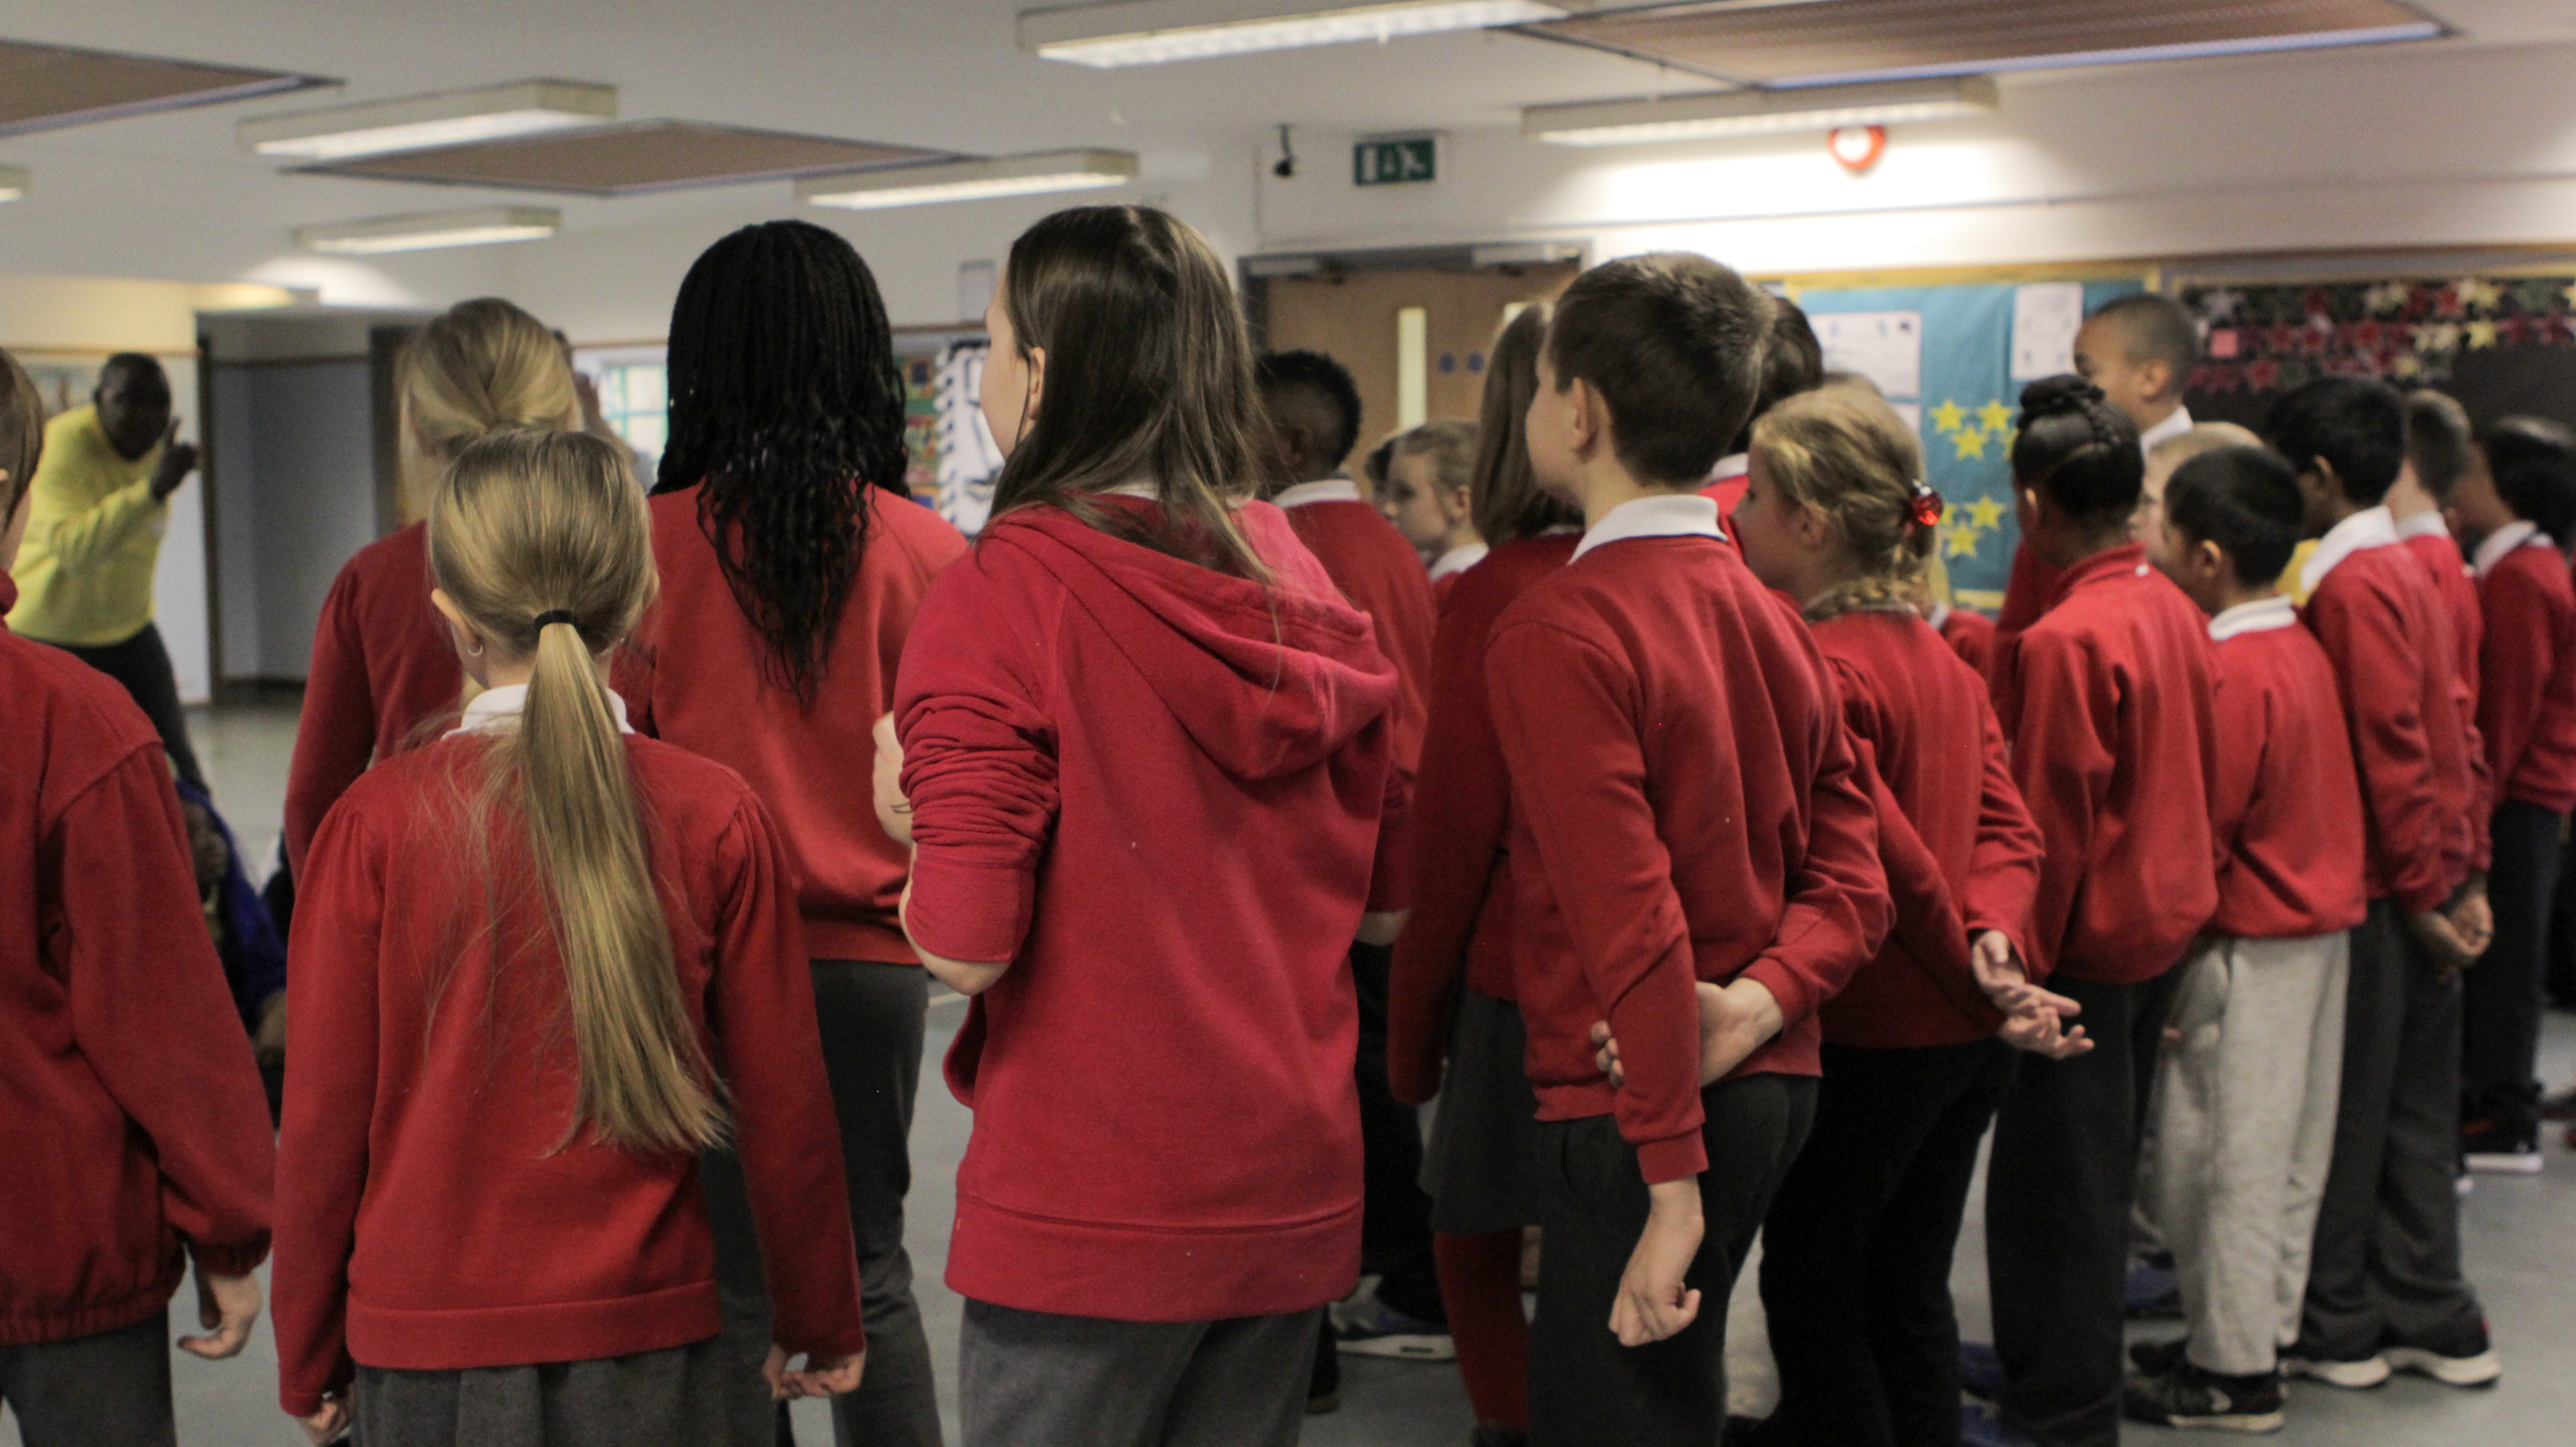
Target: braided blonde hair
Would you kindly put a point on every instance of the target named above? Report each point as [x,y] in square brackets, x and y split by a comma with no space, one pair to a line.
[479,367]
[1844,452]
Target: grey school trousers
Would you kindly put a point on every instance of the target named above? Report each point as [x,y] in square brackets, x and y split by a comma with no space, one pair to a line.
[2244,1136]
[1037,1379]
[110,1389]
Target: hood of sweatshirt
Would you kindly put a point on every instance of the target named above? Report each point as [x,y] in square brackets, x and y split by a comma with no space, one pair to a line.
[1268,681]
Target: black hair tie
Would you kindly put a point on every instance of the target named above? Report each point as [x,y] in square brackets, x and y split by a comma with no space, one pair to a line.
[553,616]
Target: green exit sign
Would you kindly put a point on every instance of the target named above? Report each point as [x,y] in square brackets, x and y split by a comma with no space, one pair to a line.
[1401,161]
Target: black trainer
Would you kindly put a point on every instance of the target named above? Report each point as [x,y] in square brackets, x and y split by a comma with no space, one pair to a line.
[2468,1359]
[2190,1397]
[2155,1358]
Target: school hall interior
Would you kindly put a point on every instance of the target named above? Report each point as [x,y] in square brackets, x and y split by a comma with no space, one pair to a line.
[269,197]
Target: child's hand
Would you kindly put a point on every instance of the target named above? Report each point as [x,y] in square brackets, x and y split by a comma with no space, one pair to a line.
[1655,1301]
[2041,1031]
[326,1425]
[894,811]
[226,1308]
[268,1042]
[820,1376]
[1731,1027]
[2441,939]
[2472,917]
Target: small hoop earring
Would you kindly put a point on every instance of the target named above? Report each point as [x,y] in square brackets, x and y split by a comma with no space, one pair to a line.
[474,652]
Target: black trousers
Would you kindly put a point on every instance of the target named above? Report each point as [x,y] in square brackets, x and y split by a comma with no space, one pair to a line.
[142,665]
[2500,1047]
[1586,1390]
[2386,1270]
[107,1390]
[2059,1187]
[1395,1215]
[1856,1249]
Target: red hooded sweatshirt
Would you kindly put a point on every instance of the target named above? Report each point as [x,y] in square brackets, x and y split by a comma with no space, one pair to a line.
[1154,790]
[132,1131]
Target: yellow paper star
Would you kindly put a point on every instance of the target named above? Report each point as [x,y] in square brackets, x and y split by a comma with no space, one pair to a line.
[1958,541]
[2480,335]
[1950,416]
[2475,292]
[1988,511]
[2407,367]
[1996,416]
[1971,441]
[2568,292]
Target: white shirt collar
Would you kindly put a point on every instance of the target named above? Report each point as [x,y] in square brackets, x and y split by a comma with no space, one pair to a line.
[2369,528]
[1144,487]
[2426,524]
[1939,615]
[1664,515]
[1458,560]
[2504,540]
[2259,616]
[498,708]
[1331,489]
[1732,467]
[2175,424]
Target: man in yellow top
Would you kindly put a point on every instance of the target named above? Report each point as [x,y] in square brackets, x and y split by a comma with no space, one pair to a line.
[99,504]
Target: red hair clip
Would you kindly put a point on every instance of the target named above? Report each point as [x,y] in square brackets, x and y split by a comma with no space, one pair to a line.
[1928,506]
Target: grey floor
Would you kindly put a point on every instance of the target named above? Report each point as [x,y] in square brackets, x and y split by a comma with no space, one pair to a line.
[2520,1234]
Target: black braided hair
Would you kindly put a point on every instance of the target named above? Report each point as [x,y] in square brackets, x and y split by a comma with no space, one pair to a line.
[786,403]
[2078,450]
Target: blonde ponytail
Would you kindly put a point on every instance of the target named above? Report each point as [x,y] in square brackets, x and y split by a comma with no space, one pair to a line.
[543,542]
[479,367]
[1844,452]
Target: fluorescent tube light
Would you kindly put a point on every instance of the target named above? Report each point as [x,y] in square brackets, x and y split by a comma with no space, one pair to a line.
[423,122]
[13,183]
[482,226]
[1151,32]
[970,180]
[1758,112]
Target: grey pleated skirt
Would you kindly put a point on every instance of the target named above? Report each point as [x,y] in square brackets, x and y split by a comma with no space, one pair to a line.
[1480,1165]
[677,1396]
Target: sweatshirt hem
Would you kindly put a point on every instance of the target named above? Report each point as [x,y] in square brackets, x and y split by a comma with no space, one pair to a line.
[451,1338]
[1123,1272]
[38,1328]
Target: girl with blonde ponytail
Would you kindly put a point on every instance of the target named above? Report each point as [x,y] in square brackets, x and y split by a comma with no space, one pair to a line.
[381,668]
[520,952]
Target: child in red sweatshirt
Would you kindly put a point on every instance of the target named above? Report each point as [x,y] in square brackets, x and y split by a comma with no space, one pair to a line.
[136,1136]
[1314,410]
[2385,1288]
[2245,1108]
[1857,1246]
[1685,808]
[1144,748]
[2515,509]
[2105,699]
[1452,990]
[524,958]
[382,667]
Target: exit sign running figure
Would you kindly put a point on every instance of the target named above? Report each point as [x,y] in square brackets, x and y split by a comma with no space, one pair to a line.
[1399,162]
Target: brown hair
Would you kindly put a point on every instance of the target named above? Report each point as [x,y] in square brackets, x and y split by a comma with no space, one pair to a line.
[1505,498]
[1845,453]
[1793,361]
[2204,438]
[1451,444]
[1149,376]
[1673,344]
[542,541]
[473,369]
[2438,439]
[22,434]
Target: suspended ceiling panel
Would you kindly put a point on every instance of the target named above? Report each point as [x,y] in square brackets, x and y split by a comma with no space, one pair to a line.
[1829,40]
[44,87]
[633,159]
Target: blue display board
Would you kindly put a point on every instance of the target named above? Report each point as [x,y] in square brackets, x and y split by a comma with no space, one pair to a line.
[1966,399]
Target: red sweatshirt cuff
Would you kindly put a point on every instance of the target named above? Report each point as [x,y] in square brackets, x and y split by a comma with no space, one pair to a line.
[1671,1160]
[972,913]
[832,1348]
[1795,995]
[228,1260]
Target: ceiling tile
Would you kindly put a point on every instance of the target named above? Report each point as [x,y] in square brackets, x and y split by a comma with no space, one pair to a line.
[632,159]
[46,87]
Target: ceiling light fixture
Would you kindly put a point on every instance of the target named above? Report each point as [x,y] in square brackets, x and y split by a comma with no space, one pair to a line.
[13,183]
[423,122]
[1758,112]
[482,226]
[971,180]
[1151,32]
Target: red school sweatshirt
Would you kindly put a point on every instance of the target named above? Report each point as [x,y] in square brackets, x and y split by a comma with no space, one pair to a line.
[1154,790]
[2527,709]
[2106,700]
[1462,890]
[1381,575]
[1971,635]
[697,673]
[2027,591]
[1685,807]
[2287,806]
[430,1212]
[134,1135]
[383,667]
[1961,852]
[2383,630]
[2455,585]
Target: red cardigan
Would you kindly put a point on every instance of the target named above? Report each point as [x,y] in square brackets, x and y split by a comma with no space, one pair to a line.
[2287,806]
[1961,853]
[1381,575]
[1683,785]
[134,1135]
[2455,585]
[1972,636]
[2027,591]
[699,675]
[430,1213]
[2384,631]
[1154,790]
[383,667]
[1462,890]
[2106,699]
[2527,710]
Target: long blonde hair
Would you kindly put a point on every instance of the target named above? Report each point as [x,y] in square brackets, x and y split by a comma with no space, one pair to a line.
[476,368]
[1844,452]
[542,541]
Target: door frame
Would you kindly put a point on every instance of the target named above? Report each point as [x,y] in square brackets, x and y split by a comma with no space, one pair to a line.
[1254,273]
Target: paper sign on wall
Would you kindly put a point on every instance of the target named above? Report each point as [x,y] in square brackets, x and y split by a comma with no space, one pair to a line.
[1885,347]
[2046,317]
